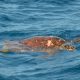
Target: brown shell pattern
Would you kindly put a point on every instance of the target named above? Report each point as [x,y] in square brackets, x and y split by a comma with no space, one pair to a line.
[45,42]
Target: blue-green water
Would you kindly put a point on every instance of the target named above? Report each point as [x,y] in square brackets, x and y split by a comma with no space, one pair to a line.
[20,19]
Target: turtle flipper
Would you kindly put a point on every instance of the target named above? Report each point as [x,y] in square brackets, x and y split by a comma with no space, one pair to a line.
[50,52]
[4,51]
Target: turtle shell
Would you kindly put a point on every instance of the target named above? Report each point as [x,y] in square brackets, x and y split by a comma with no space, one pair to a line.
[44,42]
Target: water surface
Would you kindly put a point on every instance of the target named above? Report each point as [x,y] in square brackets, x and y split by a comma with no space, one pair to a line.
[20,19]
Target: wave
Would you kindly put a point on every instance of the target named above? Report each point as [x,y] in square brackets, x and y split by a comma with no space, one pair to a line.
[47,1]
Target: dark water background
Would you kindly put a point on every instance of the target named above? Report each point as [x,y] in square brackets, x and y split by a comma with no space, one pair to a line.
[20,19]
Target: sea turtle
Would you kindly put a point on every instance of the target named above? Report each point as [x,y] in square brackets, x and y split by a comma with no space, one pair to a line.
[49,44]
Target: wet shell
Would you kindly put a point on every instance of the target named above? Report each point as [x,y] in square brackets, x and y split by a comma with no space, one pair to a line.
[43,42]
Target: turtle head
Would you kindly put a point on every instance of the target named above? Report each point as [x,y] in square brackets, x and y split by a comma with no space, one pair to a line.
[68,47]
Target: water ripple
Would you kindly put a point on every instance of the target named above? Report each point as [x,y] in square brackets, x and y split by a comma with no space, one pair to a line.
[20,19]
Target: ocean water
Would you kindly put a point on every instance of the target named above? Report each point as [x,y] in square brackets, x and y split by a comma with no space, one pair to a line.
[20,19]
